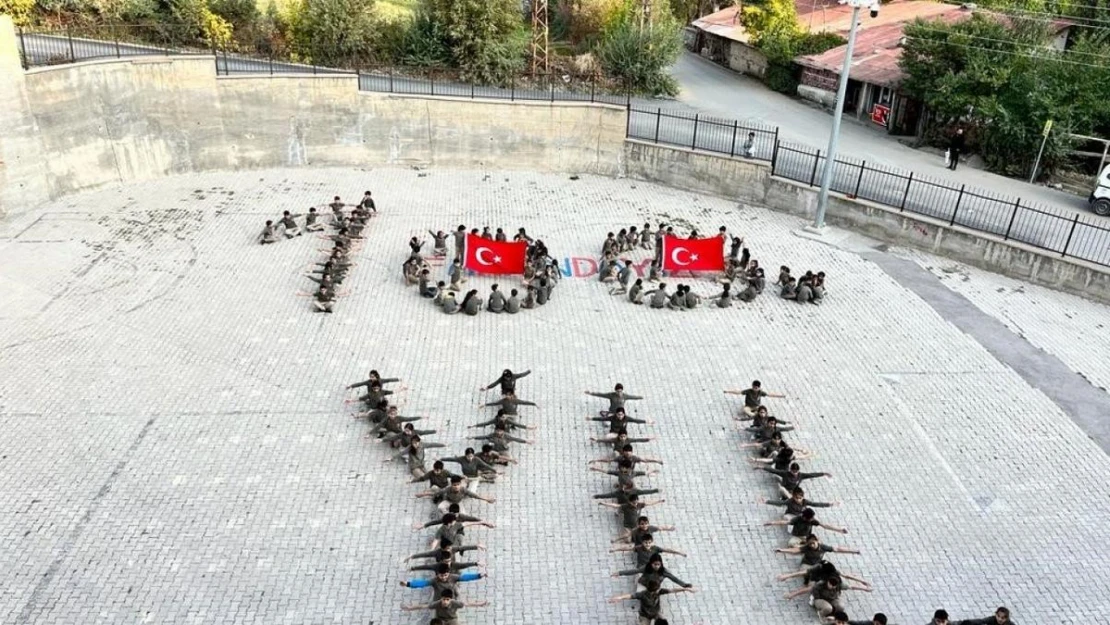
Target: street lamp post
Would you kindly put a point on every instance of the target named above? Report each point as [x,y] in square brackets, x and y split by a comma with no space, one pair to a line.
[841,92]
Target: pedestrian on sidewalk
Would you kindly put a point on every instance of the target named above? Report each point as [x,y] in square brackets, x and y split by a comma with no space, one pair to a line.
[955,146]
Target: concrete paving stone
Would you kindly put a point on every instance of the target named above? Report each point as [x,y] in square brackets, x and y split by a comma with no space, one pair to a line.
[176,447]
[1071,328]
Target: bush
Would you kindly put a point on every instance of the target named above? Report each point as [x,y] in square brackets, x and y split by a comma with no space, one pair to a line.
[773,25]
[199,24]
[331,32]
[240,13]
[483,38]
[20,10]
[640,57]
[424,44]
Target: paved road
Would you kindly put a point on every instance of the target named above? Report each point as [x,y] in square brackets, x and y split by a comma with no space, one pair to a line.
[713,89]
[987,203]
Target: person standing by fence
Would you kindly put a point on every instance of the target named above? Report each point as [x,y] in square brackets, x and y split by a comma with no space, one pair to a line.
[955,146]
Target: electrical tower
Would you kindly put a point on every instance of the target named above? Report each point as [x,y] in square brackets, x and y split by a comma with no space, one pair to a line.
[645,15]
[540,64]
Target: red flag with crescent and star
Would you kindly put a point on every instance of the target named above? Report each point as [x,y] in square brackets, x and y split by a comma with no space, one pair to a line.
[488,256]
[693,254]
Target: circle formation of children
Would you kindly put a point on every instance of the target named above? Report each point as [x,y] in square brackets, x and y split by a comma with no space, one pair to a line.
[742,279]
[638,535]
[329,274]
[452,494]
[822,581]
[539,271]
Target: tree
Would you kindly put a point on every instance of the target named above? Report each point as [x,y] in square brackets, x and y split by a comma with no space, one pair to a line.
[20,10]
[1004,82]
[689,10]
[639,53]
[772,26]
[198,23]
[241,13]
[486,39]
[332,32]
[586,19]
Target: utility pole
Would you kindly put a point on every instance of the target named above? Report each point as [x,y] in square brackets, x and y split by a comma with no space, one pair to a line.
[540,58]
[841,93]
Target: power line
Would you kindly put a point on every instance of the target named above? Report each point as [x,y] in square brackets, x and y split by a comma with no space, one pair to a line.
[1054,58]
[983,8]
[1048,18]
[1009,41]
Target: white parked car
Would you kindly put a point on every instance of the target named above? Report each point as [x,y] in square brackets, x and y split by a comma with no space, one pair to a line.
[1100,197]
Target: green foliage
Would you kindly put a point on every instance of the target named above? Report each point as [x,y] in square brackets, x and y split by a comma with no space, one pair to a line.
[773,28]
[20,10]
[687,11]
[771,24]
[484,38]
[1002,80]
[587,19]
[241,13]
[195,22]
[639,54]
[424,44]
[331,32]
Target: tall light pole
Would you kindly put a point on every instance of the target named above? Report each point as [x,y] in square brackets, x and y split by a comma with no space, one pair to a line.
[841,92]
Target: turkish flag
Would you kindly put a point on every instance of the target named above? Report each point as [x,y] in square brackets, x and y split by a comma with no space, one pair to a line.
[693,254]
[489,256]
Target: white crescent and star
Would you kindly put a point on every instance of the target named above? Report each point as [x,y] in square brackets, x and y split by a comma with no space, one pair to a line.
[690,257]
[478,256]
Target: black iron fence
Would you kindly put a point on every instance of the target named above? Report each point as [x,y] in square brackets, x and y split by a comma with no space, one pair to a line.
[552,87]
[1065,233]
[70,45]
[52,47]
[701,132]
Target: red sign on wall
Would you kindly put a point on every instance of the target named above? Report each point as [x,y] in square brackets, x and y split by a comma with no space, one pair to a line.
[880,114]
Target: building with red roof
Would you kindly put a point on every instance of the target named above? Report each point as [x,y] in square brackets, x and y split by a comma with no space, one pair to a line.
[875,70]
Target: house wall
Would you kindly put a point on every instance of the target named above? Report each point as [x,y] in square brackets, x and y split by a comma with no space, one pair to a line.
[747,60]
[819,78]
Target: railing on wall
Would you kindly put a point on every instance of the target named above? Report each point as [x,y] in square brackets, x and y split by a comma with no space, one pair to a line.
[70,45]
[1067,233]
[702,132]
[550,87]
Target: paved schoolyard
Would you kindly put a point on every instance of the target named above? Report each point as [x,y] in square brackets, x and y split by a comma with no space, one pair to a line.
[175,447]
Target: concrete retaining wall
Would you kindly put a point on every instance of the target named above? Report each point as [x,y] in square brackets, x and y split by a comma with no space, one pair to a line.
[72,128]
[22,182]
[751,182]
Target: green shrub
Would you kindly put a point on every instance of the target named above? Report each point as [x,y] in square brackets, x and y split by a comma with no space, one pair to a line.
[639,56]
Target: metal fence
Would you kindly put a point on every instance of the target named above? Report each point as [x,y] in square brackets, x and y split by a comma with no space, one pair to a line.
[541,87]
[70,45]
[700,132]
[52,47]
[1065,233]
